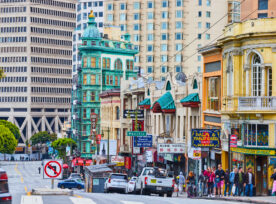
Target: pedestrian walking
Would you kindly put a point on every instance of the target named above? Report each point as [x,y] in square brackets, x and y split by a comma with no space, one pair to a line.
[181,182]
[239,182]
[210,182]
[227,183]
[201,181]
[39,169]
[250,182]
[191,189]
[220,179]
[232,186]
[274,183]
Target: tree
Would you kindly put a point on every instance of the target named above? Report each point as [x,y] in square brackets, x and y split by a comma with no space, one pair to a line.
[12,127]
[61,144]
[2,75]
[41,138]
[8,142]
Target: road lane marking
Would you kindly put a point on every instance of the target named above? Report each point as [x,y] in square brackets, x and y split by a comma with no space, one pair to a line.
[26,190]
[31,200]
[130,202]
[82,200]
[19,173]
[78,196]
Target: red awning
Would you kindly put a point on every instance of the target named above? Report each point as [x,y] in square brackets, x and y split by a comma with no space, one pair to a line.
[65,166]
[77,162]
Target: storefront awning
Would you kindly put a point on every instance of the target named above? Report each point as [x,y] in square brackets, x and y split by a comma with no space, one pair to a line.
[192,100]
[165,104]
[145,104]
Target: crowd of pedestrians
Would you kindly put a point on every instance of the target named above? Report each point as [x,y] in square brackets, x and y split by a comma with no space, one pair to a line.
[217,182]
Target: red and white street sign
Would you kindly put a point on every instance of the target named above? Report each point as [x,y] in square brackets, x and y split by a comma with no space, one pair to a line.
[52,169]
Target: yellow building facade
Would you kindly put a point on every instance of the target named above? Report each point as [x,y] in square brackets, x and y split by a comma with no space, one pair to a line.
[249,96]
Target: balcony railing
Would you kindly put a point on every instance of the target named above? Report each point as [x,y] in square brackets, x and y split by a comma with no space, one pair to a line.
[255,103]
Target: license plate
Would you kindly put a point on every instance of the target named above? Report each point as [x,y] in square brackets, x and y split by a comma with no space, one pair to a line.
[153,180]
[159,188]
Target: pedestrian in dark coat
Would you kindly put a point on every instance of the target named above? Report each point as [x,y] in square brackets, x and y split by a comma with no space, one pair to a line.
[239,181]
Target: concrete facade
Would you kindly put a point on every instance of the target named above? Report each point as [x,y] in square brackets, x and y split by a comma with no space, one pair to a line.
[252,9]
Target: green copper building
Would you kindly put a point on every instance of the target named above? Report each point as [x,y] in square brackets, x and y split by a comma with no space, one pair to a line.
[104,64]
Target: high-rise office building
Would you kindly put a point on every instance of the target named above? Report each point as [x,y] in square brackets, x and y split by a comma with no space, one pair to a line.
[36,56]
[168,32]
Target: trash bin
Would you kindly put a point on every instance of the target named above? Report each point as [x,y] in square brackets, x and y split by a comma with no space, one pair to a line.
[98,185]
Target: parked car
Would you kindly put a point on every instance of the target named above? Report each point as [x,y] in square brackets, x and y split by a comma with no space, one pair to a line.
[71,183]
[155,180]
[75,176]
[5,196]
[116,182]
[131,185]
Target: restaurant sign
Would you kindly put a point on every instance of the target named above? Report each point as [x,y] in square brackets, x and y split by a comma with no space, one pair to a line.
[205,138]
[268,152]
[171,148]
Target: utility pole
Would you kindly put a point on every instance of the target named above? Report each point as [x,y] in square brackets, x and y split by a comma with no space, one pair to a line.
[108,131]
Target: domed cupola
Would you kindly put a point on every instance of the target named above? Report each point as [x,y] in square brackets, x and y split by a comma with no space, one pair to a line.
[91,31]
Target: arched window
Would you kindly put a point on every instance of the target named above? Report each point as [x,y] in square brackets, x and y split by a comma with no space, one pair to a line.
[229,76]
[256,82]
[168,86]
[195,86]
[148,92]
[117,113]
[118,64]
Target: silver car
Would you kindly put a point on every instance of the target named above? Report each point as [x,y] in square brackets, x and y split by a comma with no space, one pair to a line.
[5,196]
[116,183]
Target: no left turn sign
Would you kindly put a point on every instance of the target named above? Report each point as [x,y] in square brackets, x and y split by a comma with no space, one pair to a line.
[52,169]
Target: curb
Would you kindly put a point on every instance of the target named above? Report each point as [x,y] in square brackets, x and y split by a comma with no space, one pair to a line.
[44,191]
[239,200]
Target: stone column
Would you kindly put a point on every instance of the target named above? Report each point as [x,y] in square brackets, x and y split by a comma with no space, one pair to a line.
[247,84]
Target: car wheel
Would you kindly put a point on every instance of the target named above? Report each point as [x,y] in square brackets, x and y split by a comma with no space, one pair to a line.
[62,186]
[79,187]
[142,191]
[161,194]
[169,194]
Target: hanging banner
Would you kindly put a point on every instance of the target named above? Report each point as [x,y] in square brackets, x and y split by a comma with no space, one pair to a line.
[205,138]
[128,162]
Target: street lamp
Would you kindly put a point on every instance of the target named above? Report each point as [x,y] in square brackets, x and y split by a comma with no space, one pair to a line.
[108,131]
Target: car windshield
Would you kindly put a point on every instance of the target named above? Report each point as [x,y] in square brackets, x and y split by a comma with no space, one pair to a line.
[118,176]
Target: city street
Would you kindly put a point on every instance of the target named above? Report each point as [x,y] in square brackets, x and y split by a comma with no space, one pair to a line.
[23,176]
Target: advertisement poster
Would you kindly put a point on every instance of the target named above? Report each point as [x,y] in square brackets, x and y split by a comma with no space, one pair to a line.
[104,147]
[119,160]
[205,138]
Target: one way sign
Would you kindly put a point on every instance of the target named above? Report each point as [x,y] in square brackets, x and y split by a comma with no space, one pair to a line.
[52,169]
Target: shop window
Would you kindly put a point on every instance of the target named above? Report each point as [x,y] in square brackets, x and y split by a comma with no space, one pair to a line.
[255,135]
[213,100]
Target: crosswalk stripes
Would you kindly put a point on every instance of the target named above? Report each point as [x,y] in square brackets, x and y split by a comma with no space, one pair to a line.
[130,202]
[31,200]
[82,200]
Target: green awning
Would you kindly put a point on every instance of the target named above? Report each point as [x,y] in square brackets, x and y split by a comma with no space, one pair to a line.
[164,104]
[145,102]
[192,100]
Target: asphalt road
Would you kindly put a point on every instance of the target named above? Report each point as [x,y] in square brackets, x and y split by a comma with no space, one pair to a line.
[23,176]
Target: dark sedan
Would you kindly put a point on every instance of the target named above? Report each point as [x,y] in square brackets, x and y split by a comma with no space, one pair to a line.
[5,196]
[71,183]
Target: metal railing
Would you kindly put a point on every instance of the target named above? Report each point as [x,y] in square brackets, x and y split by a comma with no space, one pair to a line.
[254,103]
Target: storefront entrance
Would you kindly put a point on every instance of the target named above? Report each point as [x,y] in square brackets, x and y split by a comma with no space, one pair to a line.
[261,175]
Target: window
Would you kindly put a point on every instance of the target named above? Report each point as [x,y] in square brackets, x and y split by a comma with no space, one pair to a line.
[164,36]
[110,17]
[208,14]
[179,3]
[136,5]
[178,47]
[84,79]
[122,17]
[84,113]
[263,4]
[118,64]
[208,2]
[149,69]
[84,97]
[229,76]
[149,58]
[256,135]
[256,76]
[199,36]
[85,62]
[136,16]
[200,2]
[165,3]
[178,58]
[110,7]
[178,36]
[178,69]
[164,47]
[199,69]
[168,86]
[165,14]
[164,69]
[178,24]
[207,35]
[117,113]
[150,48]
[150,37]
[164,25]
[150,4]
[199,14]
[234,15]
[123,6]
[136,26]
[195,86]
[164,58]
[92,96]
[106,63]
[199,25]
[136,38]
[150,26]
[123,27]
[262,15]
[116,81]
[269,82]
[213,94]
[179,14]
[129,65]
[150,15]
[208,25]
[93,62]
[92,79]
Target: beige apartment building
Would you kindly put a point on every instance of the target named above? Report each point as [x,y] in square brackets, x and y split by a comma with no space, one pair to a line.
[168,32]
[251,9]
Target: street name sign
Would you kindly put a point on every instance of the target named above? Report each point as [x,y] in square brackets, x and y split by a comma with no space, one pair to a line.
[52,169]
[143,141]
[136,133]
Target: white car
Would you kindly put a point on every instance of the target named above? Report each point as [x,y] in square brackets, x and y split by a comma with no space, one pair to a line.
[116,183]
[131,185]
